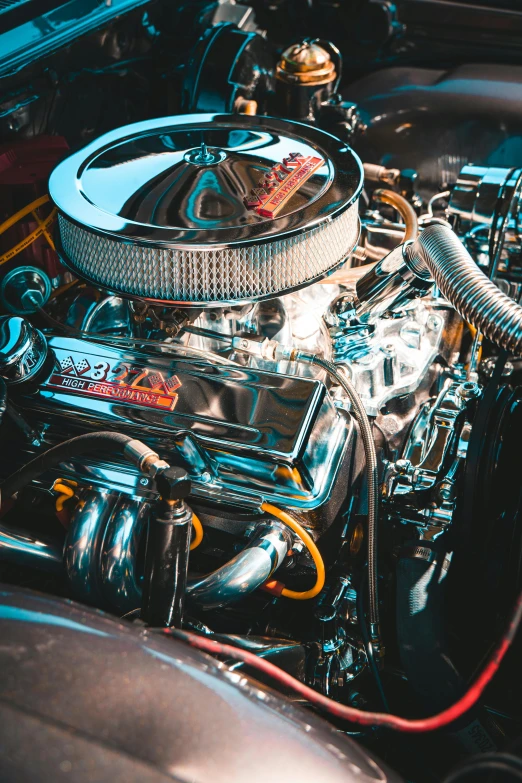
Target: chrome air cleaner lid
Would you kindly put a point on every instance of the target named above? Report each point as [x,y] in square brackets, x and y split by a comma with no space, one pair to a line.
[208,209]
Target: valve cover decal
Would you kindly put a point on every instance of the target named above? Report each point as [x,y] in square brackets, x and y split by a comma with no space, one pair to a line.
[119,381]
[281,182]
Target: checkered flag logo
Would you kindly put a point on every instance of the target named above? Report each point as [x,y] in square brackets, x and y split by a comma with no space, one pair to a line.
[82,366]
[67,365]
[171,384]
[156,381]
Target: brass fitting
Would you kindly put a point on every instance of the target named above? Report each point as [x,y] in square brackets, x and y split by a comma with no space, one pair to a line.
[306,63]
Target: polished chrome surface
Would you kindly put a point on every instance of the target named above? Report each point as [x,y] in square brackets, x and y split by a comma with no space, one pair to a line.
[23,350]
[25,289]
[475,196]
[135,181]
[386,357]
[486,200]
[389,283]
[432,459]
[245,572]
[143,215]
[29,549]
[94,312]
[83,545]
[117,563]
[102,548]
[243,434]
[476,298]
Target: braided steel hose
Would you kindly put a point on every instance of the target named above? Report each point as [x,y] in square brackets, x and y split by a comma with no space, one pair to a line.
[472,294]
[373,483]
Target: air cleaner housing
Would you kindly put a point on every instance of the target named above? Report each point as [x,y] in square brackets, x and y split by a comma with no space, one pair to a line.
[208,209]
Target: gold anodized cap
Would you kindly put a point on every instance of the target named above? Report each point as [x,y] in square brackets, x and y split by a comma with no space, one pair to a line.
[306,63]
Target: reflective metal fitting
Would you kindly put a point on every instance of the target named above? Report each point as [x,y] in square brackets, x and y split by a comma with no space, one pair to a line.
[23,350]
[469,390]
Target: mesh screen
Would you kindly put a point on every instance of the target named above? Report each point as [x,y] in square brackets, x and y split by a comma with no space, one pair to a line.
[213,275]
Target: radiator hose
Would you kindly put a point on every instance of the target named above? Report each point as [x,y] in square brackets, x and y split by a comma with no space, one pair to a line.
[475,297]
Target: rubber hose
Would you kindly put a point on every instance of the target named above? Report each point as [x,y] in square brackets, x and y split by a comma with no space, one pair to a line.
[422,646]
[476,298]
[405,210]
[113,442]
[374,254]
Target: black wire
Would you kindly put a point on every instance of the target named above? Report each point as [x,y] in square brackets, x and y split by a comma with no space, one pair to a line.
[212,335]
[361,614]
[110,442]
[493,242]
[496,247]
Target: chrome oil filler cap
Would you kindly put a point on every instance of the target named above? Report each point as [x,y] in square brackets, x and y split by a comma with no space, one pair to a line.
[208,209]
[23,350]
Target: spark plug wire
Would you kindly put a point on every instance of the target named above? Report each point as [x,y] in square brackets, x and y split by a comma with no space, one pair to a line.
[198,532]
[309,543]
[42,227]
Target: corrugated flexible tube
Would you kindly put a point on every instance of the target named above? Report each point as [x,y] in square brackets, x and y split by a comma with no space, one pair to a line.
[475,297]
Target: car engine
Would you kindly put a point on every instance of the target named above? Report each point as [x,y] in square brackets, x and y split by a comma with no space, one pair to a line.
[260,390]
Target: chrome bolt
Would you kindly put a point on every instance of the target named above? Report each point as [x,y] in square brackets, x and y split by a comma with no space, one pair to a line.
[446,490]
[469,390]
[404,467]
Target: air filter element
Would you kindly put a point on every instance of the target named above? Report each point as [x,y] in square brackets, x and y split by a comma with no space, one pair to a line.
[207,209]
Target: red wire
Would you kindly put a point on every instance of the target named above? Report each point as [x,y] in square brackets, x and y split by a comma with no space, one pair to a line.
[352,714]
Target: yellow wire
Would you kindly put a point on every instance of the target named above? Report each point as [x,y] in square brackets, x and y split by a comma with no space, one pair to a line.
[62,289]
[198,530]
[290,522]
[46,234]
[28,240]
[23,212]
[63,486]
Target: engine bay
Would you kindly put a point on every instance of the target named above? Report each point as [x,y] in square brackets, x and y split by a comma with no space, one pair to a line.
[260,385]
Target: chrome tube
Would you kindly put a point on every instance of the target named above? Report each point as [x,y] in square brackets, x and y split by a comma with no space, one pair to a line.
[26,549]
[438,256]
[101,553]
[440,252]
[245,572]
[390,283]
[119,582]
[83,545]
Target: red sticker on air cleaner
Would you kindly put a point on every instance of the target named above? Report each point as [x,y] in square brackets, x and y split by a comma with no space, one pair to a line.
[122,382]
[281,182]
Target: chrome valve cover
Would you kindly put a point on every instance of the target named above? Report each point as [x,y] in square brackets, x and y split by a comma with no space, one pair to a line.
[208,209]
[244,435]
